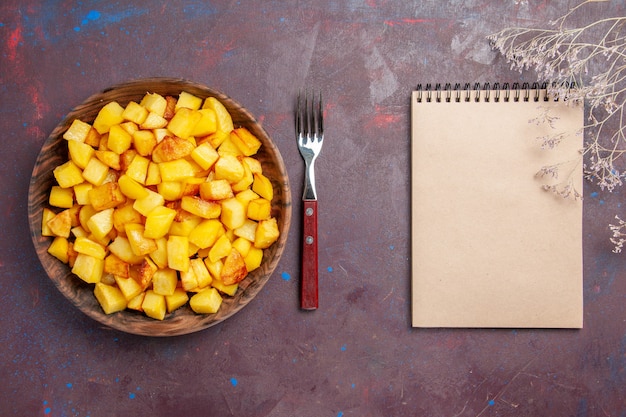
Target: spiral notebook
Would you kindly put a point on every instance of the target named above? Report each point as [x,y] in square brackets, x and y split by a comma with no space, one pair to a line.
[495,244]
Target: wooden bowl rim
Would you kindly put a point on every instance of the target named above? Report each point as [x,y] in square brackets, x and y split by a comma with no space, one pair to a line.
[182,321]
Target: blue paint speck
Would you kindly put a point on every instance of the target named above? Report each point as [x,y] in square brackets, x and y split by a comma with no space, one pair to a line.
[340,414]
[343,348]
[131,395]
[47,410]
[391,247]
[234,382]
[199,10]
[285,276]
[93,15]
[594,194]
[69,385]
[491,402]
[329,269]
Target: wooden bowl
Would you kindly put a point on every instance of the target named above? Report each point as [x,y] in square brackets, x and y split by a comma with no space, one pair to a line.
[184,320]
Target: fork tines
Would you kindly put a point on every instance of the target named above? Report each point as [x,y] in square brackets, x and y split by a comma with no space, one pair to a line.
[309,114]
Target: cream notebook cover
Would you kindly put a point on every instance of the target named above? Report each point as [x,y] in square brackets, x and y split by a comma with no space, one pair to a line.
[490,247]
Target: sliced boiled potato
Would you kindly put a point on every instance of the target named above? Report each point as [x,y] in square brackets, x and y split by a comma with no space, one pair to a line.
[160,204]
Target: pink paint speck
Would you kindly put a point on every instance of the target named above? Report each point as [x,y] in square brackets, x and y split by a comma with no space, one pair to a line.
[384,119]
[39,106]
[35,133]
[408,21]
[13,42]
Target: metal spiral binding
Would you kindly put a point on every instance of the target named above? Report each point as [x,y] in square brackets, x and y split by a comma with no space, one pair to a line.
[483,92]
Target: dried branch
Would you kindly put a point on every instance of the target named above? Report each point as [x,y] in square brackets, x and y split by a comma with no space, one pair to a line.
[593,59]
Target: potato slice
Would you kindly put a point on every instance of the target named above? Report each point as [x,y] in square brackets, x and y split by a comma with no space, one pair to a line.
[154,305]
[176,300]
[224,120]
[171,148]
[110,298]
[234,269]
[206,302]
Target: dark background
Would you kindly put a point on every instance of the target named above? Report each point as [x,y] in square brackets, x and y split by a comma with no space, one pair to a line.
[357,355]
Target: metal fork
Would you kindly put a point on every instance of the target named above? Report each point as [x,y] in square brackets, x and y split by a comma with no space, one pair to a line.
[310,135]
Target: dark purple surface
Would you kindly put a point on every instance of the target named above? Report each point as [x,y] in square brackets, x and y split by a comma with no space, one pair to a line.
[357,354]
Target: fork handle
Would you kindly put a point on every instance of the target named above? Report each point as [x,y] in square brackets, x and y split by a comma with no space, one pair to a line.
[309,291]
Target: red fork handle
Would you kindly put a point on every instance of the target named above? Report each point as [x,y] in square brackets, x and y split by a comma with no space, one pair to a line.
[309,292]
